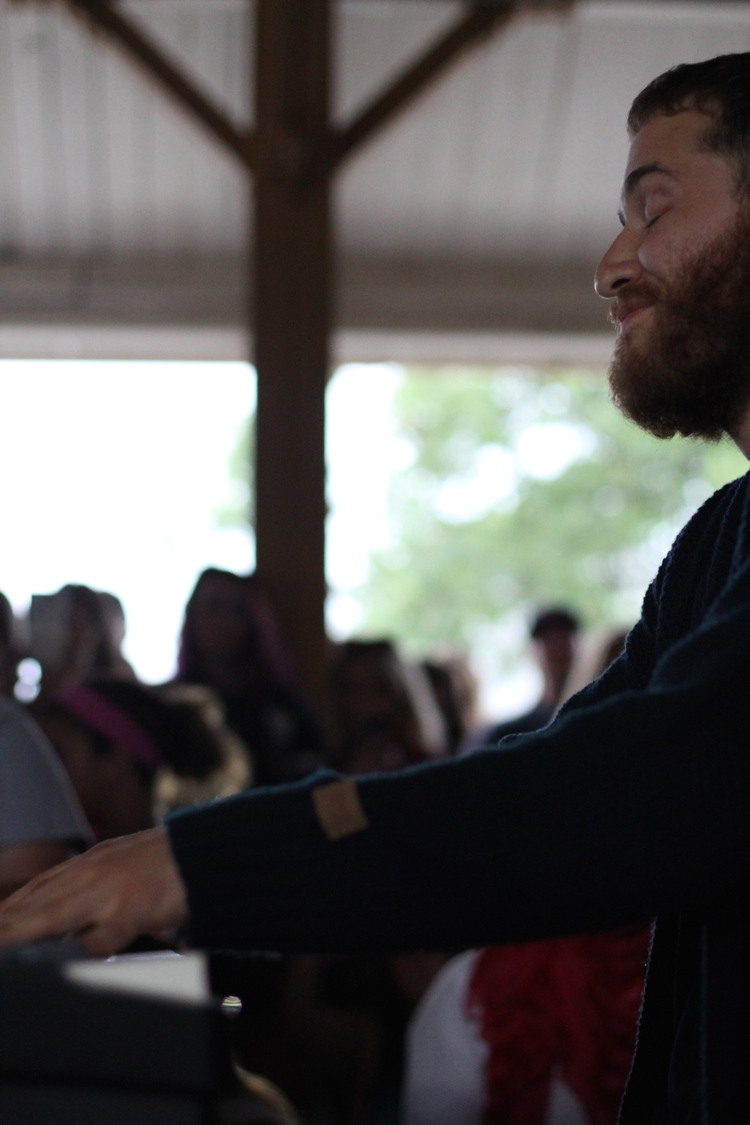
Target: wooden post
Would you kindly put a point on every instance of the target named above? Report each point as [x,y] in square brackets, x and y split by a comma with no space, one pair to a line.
[294,153]
[291,274]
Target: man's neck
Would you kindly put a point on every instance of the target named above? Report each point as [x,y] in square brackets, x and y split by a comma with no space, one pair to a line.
[740,435]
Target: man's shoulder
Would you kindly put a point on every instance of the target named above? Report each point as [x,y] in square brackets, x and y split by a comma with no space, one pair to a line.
[699,564]
[716,524]
[728,496]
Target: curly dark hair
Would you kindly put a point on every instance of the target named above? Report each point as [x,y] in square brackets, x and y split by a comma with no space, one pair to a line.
[718,87]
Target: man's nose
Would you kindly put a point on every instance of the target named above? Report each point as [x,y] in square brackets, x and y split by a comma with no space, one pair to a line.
[619,265]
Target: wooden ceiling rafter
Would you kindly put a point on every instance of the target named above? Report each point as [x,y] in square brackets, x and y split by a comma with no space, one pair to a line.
[468,32]
[480,21]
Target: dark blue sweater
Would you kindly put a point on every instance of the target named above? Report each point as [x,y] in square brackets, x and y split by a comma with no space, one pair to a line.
[633,804]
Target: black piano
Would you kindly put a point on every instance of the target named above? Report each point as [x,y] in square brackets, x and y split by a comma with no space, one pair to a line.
[73,1053]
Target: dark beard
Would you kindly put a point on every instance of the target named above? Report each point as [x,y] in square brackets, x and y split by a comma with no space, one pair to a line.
[691,376]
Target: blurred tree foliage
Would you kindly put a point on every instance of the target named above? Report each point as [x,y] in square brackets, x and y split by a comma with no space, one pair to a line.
[523,490]
[238,510]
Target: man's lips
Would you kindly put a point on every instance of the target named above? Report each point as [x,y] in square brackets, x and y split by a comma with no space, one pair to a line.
[626,314]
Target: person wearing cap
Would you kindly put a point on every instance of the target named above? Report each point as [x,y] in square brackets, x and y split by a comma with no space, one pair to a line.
[554,636]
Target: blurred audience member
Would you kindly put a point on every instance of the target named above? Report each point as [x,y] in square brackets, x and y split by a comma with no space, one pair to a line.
[260,1103]
[9,655]
[179,790]
[69,634]
[554,636]
[347,1015]
[41,821]
[114,737]
[231,651]
[455,689]
[540,1033]
[113,618]
[594,655]
[385,712]
[611,648]
[230,642]
[535,1034]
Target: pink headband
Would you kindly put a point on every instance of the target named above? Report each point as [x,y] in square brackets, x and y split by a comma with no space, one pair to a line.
[107,719]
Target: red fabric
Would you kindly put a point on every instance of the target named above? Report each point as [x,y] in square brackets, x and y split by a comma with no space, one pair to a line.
[567,1007]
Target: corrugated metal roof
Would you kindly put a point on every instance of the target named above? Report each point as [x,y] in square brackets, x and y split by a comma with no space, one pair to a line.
[519,153]
[515,157]
[97,162]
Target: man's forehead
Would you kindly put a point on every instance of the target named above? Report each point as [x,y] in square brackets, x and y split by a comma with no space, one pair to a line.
[666,139]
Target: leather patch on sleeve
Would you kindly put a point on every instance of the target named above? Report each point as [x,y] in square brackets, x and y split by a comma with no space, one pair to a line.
[339,809]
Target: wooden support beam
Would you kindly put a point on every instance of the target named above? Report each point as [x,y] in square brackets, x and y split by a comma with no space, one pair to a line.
[294,154]
[168,76]
[471,29]
[291,270]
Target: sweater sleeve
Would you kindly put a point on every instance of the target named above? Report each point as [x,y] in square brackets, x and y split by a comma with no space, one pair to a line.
[624,807]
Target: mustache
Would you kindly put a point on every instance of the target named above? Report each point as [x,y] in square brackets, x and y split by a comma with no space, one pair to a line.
[631,297]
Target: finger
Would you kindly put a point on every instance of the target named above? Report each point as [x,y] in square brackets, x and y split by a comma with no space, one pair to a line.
[105,940]
[48,907]
[21,930]
[19,898]
[55,919]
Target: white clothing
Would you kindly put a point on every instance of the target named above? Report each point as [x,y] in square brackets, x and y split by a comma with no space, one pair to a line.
[37,801]
[446,1059]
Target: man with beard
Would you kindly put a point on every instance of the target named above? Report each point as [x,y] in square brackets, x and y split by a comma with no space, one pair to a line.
[679,276]
[635,802]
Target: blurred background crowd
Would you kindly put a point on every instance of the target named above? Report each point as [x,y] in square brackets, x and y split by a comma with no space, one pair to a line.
[331,1032]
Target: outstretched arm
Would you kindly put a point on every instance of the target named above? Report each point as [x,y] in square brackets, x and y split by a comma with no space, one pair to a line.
[633,802]
[104,898]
